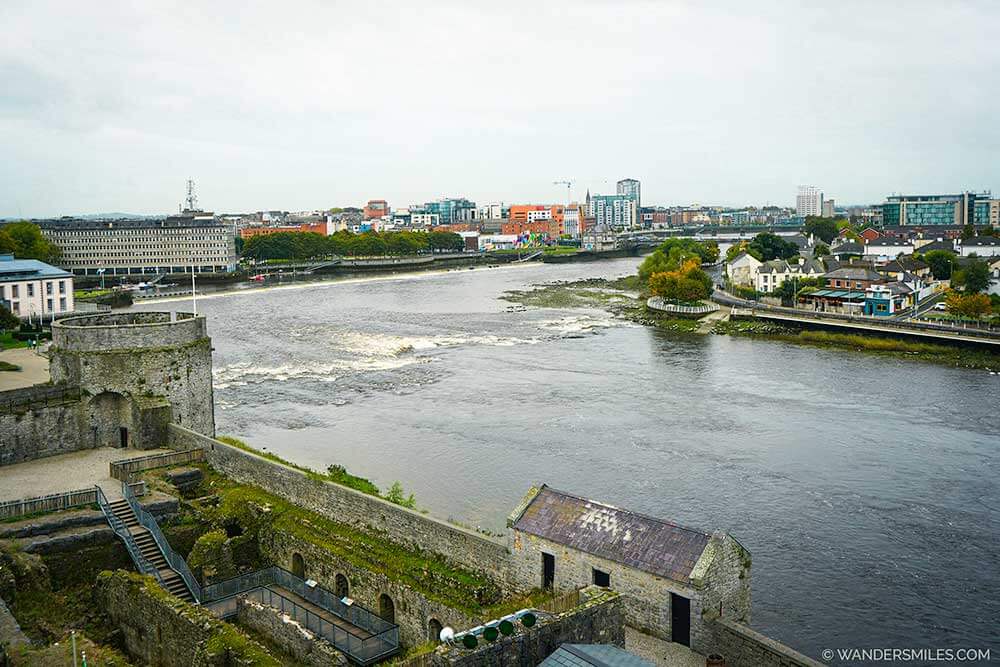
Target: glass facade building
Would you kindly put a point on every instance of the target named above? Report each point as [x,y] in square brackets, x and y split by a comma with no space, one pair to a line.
[451,210]
[936,210]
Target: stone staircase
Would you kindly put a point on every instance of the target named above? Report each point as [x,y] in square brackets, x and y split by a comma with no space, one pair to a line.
[150,551]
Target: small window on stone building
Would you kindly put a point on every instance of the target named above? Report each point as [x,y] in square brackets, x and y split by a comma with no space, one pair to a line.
[602,578]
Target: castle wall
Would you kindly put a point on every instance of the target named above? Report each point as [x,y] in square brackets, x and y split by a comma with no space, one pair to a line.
[413,610]
[404,526]
[41,421]
[744,647]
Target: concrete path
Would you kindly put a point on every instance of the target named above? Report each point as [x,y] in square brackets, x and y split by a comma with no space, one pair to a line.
[34,369]
[65,472]
[659,652]
[706,323]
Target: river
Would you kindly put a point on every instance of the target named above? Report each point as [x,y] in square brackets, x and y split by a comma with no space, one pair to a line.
[865,486]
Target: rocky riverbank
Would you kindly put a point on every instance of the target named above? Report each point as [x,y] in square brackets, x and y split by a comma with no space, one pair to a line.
[622,298]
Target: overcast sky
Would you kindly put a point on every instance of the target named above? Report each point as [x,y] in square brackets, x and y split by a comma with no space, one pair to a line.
[111,106]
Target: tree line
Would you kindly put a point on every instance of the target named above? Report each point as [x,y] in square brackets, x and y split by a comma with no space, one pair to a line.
[25,241]
[674,270]
[309,245]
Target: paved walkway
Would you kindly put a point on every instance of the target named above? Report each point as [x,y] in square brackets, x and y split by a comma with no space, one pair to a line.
[659,652]
[65,472]
[34,369]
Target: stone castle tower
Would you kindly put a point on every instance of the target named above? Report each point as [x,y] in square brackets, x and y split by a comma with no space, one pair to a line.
[137,372]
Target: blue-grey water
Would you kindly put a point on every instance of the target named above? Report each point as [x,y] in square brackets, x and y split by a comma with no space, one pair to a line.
[865,486]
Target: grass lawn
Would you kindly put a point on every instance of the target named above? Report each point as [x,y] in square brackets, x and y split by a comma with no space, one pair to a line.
[7,341]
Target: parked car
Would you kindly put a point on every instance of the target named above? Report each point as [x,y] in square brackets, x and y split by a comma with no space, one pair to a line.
[940,305]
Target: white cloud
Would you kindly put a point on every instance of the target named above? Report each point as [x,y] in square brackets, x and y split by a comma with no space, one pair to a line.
[110,106]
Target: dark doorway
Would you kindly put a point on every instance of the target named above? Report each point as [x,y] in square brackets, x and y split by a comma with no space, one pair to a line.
[548,570]
[341,587]
[123,437]
[298,566]
[386,609]
[680,619]
[602,578]
[434,630]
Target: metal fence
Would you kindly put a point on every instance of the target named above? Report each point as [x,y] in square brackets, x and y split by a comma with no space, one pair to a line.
[125,469]
[122,531]
[659,303]
[221,598]
[55,502]
[174,559]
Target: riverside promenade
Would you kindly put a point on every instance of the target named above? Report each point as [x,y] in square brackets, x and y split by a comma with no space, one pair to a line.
[743,309]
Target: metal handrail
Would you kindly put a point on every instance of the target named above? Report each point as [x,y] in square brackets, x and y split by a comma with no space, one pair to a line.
[121,530]
[174,559]
[222,595]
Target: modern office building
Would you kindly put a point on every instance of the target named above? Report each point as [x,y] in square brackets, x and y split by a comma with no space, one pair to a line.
[452,210]
[967,208]
[177,244]
[630,187]
[615,212]
[33,289]
[809,201]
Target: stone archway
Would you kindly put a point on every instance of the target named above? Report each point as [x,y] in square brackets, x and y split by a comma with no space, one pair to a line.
[298,566]
[434,630]
[386,608]
[341,587]
[112,420]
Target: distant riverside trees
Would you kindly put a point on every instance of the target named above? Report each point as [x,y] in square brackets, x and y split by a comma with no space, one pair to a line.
[24,239]
[767,246]
[825,229]
[308,245]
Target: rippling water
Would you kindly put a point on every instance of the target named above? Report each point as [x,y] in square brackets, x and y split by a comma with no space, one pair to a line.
[865,487]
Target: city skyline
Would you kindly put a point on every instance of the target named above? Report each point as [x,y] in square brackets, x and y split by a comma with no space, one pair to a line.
[323,105]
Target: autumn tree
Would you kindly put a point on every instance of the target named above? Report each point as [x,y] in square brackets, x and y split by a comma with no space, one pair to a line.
[969,305]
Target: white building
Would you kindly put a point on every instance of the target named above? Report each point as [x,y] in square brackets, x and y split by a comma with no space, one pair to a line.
[980,246]
[886,249]
[571,220]
[29,288]
[630,187]
[177,244]
[498,241]
[425,219]
[491,211]
[614,211]
[809,201]
[743,269]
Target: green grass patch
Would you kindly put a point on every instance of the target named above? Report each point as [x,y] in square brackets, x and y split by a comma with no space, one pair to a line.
[7,341]
[896,347]
[255,510]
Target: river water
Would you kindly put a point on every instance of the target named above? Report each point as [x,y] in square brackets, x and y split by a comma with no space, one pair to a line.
[865,487]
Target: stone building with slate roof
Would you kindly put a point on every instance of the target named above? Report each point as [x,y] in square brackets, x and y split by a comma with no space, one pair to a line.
[667,574]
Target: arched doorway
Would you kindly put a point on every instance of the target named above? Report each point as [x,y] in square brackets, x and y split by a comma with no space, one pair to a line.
[298,566]
[434,630]
[386,609]
[341,587]
[111,417]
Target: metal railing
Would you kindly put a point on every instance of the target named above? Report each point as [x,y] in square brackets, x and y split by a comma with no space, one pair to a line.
[383,639]
[866,320]
[121,530]
[174,559]
[124,469]
[659,303]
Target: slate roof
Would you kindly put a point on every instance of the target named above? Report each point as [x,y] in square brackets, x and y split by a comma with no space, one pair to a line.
[642,542]
[943,244]
[27,269]
[854,273]
[982,241]
[904,263]
[849,248]
[774,266]
[598,655]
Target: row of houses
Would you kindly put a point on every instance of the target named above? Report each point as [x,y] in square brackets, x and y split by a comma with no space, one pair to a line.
[878,289]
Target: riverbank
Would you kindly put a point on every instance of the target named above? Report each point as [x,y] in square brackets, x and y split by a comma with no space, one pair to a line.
[622,299]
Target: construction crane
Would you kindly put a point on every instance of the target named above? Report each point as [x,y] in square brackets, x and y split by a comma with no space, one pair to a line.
[567,184]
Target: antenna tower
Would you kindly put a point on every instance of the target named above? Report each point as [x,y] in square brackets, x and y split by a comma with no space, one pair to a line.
[192,199]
